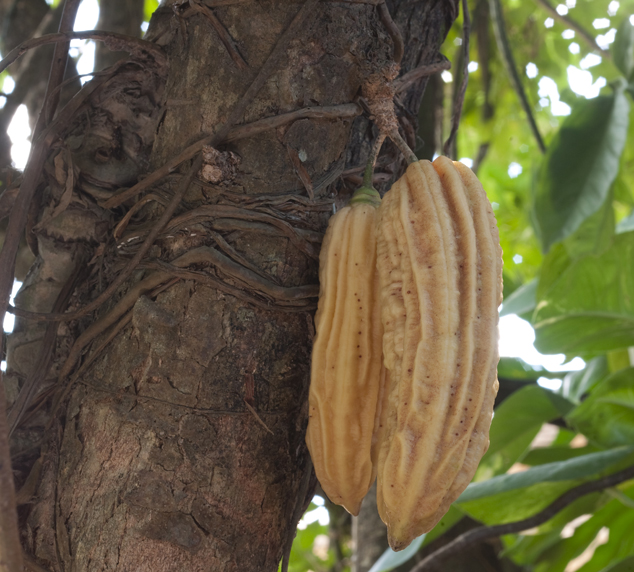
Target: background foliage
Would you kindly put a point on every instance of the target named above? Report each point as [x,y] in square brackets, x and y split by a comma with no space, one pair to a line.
[567,229]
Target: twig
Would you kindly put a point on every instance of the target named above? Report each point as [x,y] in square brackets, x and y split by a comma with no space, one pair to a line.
[63,390]
[203,255]
[393,31]
[511,68]
[568,21]
[222,32]
[403,147]
[477,535]
[411,76]
[450,145]
[58,69]
[114,41]
[257,417]
[480,155]
[236,133]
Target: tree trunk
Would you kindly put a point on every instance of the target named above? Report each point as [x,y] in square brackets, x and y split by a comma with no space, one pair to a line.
[179,443]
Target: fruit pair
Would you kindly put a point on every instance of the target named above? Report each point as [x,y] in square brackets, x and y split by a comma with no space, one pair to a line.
[407,396]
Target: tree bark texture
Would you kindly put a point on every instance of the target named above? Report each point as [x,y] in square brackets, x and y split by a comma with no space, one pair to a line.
[179,442]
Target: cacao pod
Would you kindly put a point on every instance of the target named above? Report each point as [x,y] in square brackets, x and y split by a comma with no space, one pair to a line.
[440,271]
[346,370]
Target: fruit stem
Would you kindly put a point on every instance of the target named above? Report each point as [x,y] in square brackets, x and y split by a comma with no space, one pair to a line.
[366,193]
[369,168]
[403,147]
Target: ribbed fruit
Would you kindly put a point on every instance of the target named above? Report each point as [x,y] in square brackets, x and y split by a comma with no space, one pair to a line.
[440,271]
[346,371]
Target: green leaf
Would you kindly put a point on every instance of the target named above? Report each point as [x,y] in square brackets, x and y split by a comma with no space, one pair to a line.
[576,468]
[554,454]
[623,48]
[581,163]
[626,565]
[612,516]
[517,369]
[516,422]
[528,549]
[453,516]
[594,234]
[522,300]
[577,383]
[555,264]
[512,505]
[606,417]
[589,307]
[626,224]
[390,559]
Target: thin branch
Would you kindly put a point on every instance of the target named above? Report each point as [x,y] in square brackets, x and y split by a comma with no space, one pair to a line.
[411,76]
[482,533]
[222,32]
[402,146]
[114,41]
[480,155]
[450,144]
[236,133]
[393,31]
[58,69]
[509,62]
[568,21]
[345,110]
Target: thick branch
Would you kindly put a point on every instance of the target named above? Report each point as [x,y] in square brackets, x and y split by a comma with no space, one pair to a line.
[482,533]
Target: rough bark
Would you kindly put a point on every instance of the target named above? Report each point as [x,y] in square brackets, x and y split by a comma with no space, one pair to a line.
[180,443]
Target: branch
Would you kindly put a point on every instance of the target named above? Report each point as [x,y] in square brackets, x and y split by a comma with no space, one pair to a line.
[393,31]
[477,535]
[222,32]
[116,42]
[450,144]
[587,36]
[236,133]
[417,73]
[511,68]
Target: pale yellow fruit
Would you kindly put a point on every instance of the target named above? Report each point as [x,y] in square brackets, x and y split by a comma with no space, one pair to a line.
[346,372]
[440,271]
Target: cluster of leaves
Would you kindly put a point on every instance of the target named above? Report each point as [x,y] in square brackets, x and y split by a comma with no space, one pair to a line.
[567,230]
